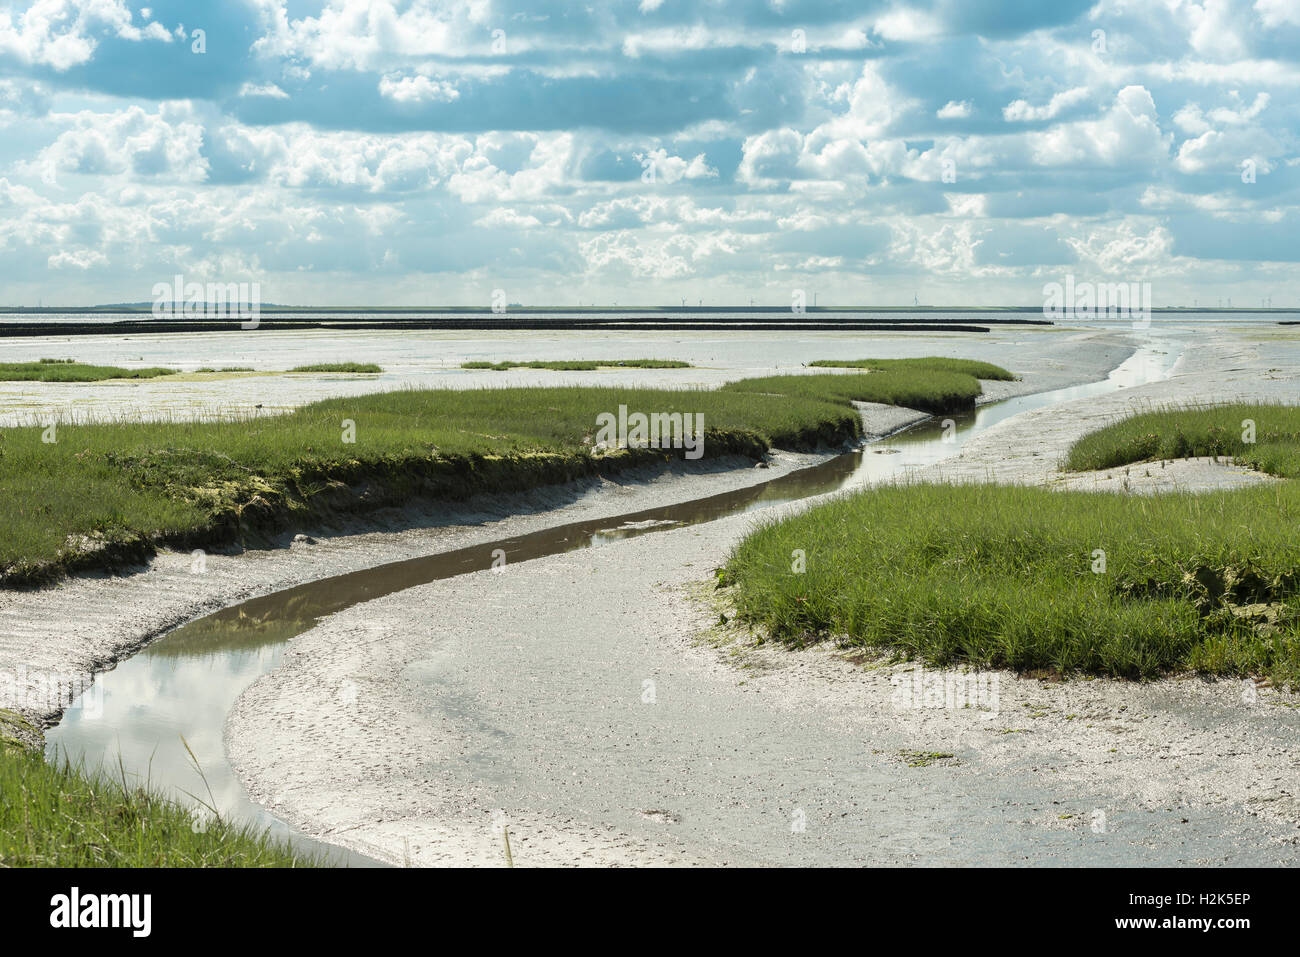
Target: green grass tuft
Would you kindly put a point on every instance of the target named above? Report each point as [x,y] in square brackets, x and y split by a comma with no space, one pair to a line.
[1177,432]
[922,388]
[980,370]
[580,365]
[68,370]
[55,816]
[1004,576]
[339,367]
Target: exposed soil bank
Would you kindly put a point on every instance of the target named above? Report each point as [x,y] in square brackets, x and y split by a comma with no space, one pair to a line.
[594,699]
[259,508]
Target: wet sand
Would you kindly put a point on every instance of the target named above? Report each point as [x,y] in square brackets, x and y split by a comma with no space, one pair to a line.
[432,360]
[594,701]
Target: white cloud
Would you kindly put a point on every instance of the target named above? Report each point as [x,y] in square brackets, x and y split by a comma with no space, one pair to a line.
[907,24]
[416,89]
[299,157]
[1124,249]
[946,248]
[16,195]
[1019,111]
[1225,137]
[130,142]
[1275,13]
[263,89]
[773,155]
[58,33]
[1226,151]
[668,169]
[656,257]
[77,259]
[1191,119]
[1128,134]
[502,218]
[952,110]
[1216,27]
[369,34]
[546,170]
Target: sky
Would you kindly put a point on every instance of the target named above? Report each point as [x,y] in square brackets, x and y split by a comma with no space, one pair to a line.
[954,152]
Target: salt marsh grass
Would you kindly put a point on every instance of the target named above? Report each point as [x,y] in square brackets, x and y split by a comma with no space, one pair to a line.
[339,367]
[923,388]
[69,370]
[580,365]
[1032,578]
[980,370]
[97,494]
[1262,436]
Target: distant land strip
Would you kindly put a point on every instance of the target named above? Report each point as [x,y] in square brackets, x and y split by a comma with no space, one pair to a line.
[126,308]
[160,326]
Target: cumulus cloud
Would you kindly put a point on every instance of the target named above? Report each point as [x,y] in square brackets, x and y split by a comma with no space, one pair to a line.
[770,156]
[131,142]
[1125,248]
[302,158]
[647,146]
[64,33]
[660,166]
[263,89]
[416,89]
[1129,132]
[367,34]
[1019,111]
[1275,13]
[907,24]
[23,98]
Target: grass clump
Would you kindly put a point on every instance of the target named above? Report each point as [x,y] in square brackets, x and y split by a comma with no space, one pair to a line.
[923,388]
[1010,576]
[339,367]
[1262,436]
[1005,577]
[980,370]
[580,365]
[107,494]
[69,370]
[56,816]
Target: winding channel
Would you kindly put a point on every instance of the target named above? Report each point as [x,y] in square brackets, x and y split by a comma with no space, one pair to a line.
[138,717]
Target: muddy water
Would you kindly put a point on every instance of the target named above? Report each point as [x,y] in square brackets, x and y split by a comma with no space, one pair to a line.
[179,690]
